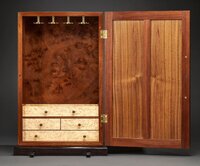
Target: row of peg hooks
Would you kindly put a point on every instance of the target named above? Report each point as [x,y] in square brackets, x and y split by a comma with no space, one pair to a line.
[54,22]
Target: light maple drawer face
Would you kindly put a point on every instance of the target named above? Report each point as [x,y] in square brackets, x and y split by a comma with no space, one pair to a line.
[80,124]
[41,124]
[59,136]
[60,110]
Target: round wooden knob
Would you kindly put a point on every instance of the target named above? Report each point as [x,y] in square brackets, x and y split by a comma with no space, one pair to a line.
[41,124]
[36,136]
[73,112]
[45,112]
[79,125]
[84,136]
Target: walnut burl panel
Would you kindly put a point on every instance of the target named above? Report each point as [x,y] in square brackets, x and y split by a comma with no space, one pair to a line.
[166,70]
[60,62]
[60,110]
[56,136]
[128,78]
[41,124]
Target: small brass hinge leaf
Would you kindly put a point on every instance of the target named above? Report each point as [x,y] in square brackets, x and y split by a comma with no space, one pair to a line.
[104,118]
[104,34]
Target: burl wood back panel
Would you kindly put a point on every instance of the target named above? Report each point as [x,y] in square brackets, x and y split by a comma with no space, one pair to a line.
[166,70]
[128,78]
[60,62]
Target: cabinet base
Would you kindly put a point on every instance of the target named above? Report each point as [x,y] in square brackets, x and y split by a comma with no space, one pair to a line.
[43,151]
[94,151]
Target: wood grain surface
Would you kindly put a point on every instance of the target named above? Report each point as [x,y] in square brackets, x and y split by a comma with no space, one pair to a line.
[60,65]
[80,124]
[128,78]
[61,62]
[56,136]
[186,85]
[166,53]
[41,124]
[60,110]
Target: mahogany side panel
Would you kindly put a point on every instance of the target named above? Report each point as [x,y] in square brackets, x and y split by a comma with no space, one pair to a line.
[186,80]
[20,76]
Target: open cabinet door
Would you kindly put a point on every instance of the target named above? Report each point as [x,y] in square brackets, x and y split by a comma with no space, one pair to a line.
[147,79]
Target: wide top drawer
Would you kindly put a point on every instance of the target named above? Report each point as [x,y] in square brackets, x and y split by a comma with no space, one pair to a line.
[48,110]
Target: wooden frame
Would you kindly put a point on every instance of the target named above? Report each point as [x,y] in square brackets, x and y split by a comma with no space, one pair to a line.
[105,137]
[20,76]
[150,15]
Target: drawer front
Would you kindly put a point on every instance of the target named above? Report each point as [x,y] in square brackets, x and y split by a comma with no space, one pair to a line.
[48,110]
[80,124]
[69,136]
[41,124]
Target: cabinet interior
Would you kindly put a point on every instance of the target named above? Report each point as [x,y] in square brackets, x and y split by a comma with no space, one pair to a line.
[60,61]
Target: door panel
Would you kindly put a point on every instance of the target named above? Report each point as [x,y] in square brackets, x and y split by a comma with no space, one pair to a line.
[166,56]
[128,78]
[147,79]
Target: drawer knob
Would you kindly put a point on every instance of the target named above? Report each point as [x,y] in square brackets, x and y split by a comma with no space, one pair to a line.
[36,136]
[79,125]
[73,112]
[45,112]
[41,124]
[84,136]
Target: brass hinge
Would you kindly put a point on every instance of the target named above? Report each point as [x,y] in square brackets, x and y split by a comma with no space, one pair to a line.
[104,118]
[104,34]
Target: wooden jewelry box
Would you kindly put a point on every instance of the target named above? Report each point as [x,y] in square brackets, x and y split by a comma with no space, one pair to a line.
[89,80]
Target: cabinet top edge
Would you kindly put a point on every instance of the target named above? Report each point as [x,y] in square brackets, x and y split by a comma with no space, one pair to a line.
[54,13]
[97,12]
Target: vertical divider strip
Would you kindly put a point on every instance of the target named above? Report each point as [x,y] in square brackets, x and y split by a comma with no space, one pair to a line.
[108,77]
[103,82]
[185,140]
[146,117]
[101,59]
[20,77]
[60,124]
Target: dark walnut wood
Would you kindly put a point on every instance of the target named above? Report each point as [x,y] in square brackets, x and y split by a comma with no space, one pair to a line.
[40,151]
[60,62]
[95,151]
[159,103]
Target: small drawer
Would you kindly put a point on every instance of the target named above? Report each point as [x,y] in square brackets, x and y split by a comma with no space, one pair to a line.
[60,136]
[60,110]
[80,124]
[41,124]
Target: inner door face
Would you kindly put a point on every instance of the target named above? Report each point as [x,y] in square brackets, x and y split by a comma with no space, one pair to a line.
[145,53]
